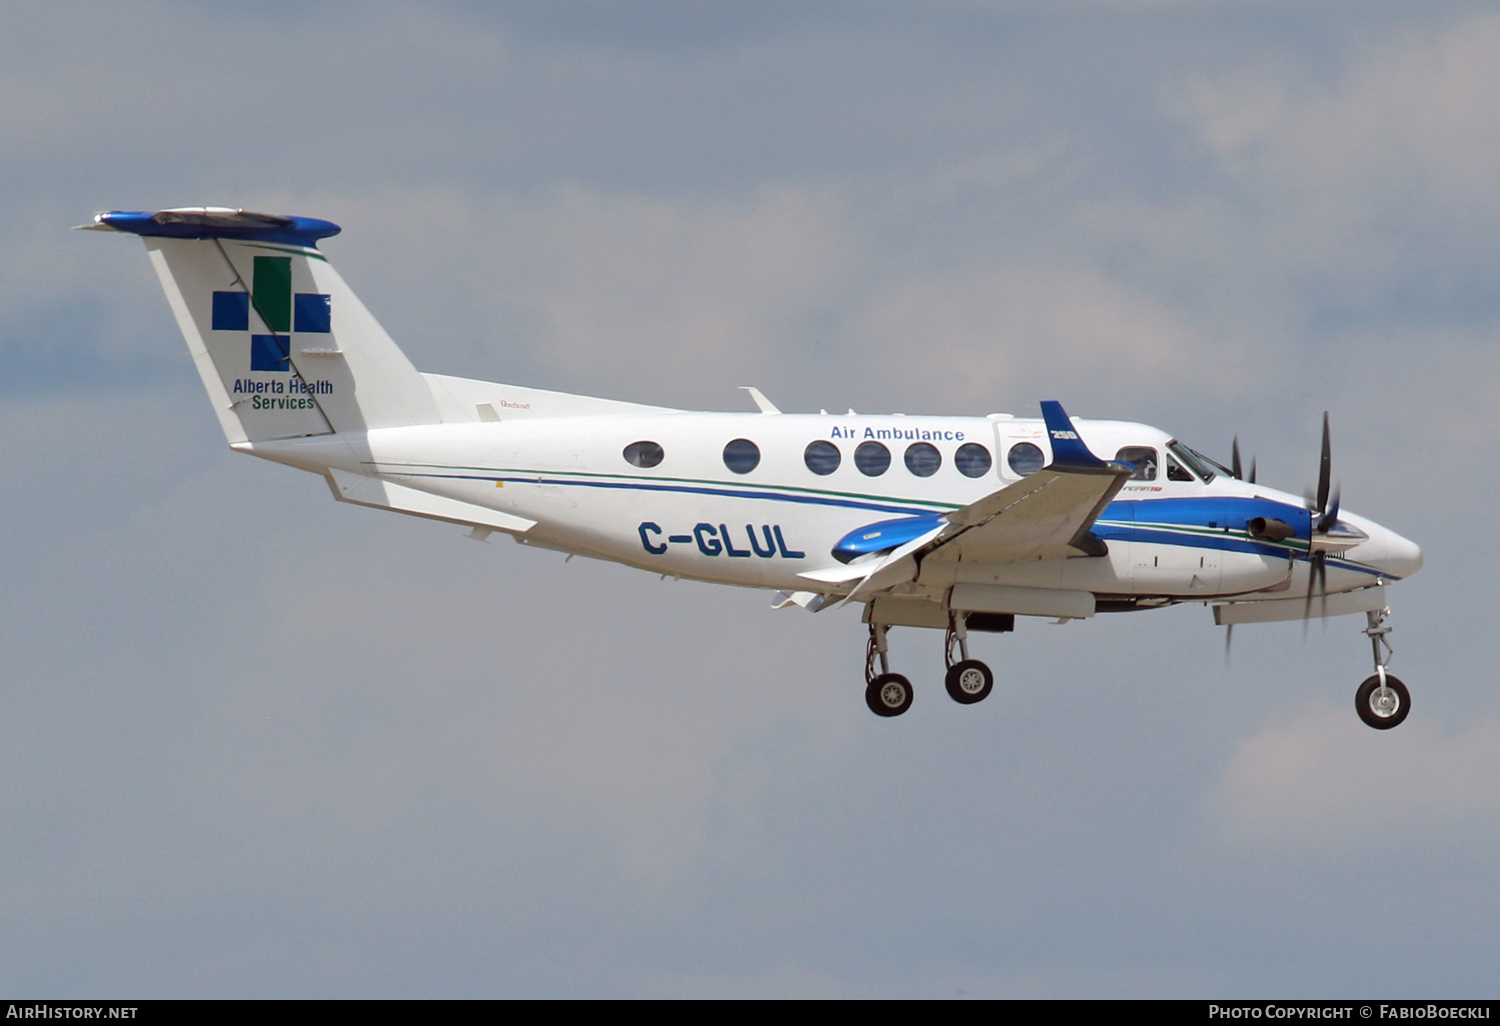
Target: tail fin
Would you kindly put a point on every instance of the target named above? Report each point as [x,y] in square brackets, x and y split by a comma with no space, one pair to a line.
[284,347]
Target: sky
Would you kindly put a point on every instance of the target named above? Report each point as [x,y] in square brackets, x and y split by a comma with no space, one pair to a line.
[259,744]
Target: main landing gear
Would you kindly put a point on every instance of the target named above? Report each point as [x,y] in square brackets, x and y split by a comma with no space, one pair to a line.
[1382,701]
[968,680]
[889,694]
[886,693]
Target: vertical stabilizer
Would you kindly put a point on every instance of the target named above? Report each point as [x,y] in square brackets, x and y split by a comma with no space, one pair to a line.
[284,347]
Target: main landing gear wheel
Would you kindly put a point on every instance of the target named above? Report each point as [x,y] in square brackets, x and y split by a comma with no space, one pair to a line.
[888,695]
[1382,704]
[969,681]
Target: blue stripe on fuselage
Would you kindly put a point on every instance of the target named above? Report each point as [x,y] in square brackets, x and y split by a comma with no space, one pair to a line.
[1224,543]
[646,485]
[1118,521]
[1214,513]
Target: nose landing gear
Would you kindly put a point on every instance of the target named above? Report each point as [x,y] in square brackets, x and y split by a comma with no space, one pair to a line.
[1382,701]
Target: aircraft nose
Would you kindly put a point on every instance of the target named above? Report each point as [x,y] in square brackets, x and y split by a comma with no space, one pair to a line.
[1398,556]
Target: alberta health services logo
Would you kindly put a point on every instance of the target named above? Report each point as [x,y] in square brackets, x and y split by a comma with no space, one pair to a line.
[282,312]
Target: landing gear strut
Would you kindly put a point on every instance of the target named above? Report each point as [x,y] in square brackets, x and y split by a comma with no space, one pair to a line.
[968,680]
[1382,701]
[886,693]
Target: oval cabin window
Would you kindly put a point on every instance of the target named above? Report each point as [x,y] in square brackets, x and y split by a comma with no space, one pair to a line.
[972,460]
[922,459]
[643,454]
[822,458]
[742,455]
[1025,459]
[872,459]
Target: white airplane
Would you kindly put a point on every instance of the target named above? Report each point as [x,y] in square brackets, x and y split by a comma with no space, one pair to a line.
[957,524]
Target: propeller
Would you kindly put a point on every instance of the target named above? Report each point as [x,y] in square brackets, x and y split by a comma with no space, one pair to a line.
[1236,467]
[1324,515]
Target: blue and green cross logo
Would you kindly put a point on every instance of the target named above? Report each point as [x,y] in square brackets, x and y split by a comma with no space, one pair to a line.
[280,310]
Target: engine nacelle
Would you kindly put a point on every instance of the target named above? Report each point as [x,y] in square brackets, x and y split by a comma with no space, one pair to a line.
[1270,529]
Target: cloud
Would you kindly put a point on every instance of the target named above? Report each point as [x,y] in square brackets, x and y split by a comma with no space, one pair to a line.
[260,743]
[992,331]
[667,300]
[1397,143]
[1323,782]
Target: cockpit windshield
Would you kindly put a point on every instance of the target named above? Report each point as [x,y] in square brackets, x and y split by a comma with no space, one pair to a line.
[1200,464]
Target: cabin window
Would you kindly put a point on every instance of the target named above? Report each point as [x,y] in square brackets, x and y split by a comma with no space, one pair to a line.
[872,459]
[1025,459]
[973,460]
[643,454]
[1144,458]
[922,459]
[742,455]
[822,458]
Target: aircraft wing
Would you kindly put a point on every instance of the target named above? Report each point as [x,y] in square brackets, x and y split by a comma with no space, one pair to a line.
[1048,515]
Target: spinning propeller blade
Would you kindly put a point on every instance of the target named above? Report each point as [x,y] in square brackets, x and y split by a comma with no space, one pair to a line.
[1237,466]
[1324,515]
[1325,467]
[1331,517]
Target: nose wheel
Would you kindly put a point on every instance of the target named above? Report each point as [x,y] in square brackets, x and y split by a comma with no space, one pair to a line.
[1382,701]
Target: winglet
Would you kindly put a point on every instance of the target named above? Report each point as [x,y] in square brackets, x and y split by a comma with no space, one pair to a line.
[1068,450]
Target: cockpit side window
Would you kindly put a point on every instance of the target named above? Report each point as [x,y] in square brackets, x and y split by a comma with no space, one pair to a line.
[1200,464]
[1144,458]
[1176,473]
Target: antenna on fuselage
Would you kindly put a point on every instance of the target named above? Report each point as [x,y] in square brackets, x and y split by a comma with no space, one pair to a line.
[765,405]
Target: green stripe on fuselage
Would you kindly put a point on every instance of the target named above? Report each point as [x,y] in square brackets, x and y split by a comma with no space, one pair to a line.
[923,505]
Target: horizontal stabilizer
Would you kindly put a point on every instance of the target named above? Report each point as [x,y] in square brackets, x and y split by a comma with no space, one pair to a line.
[364,490]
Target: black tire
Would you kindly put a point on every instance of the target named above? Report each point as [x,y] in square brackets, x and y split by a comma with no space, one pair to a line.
[1381,719]
[969,681]
[888,695]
